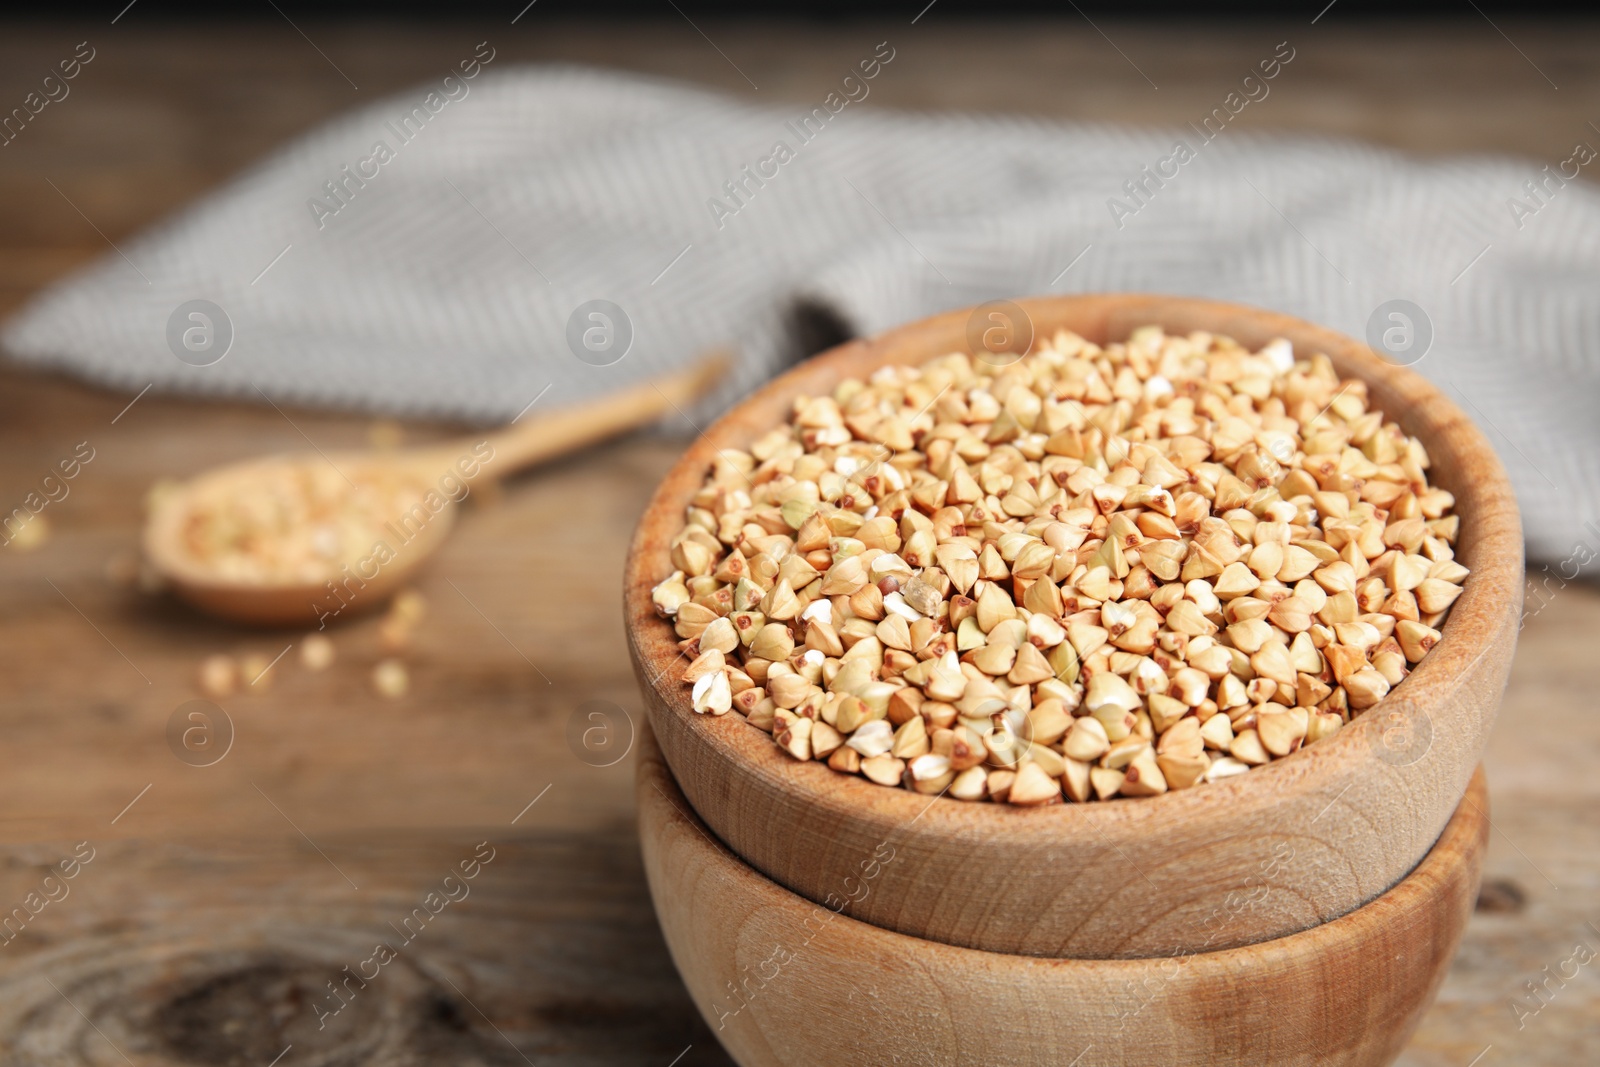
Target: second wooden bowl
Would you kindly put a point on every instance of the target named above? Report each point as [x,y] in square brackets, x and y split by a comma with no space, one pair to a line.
[787,983]
[1127,878]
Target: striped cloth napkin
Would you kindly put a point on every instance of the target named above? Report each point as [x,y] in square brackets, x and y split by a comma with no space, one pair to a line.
[506,234]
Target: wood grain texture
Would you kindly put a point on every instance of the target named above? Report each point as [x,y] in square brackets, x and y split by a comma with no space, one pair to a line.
[1128,878]
[205,951]
[787,983]
[168,111]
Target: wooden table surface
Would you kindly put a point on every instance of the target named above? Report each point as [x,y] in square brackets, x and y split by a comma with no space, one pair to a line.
[220,901]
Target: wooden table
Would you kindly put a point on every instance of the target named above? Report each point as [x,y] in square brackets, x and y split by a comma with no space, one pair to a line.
[221,900]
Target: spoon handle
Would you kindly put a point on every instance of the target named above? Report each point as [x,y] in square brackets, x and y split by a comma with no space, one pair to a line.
[543,437]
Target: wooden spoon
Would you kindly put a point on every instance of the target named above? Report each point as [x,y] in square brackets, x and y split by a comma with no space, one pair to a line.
[403,500]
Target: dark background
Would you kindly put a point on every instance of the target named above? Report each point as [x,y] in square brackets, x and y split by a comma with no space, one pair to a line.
[833,10]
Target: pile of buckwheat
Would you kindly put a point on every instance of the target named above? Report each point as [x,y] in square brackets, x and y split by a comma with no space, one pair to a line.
[293,522]
[1090,572]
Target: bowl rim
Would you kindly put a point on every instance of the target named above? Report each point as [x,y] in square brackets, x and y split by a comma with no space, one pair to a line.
[1485,502]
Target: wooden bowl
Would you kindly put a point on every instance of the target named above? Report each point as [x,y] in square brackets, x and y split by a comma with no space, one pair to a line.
[1129,878]
[784,981]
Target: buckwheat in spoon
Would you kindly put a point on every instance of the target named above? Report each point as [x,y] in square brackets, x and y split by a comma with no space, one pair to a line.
[268,541]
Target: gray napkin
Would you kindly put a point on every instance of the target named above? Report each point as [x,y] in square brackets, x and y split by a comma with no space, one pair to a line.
[463,248]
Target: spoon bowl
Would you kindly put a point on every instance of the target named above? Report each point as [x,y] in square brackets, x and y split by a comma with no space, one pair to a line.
[355,589]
